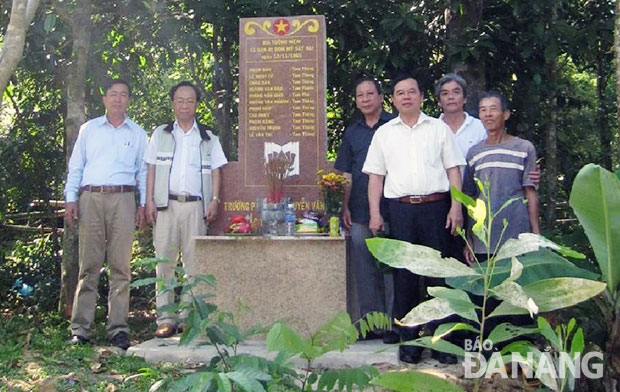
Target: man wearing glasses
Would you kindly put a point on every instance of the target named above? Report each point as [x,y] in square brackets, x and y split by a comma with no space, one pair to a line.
[183,187]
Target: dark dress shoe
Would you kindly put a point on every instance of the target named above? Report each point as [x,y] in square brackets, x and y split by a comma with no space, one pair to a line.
[390,337]
[120,340]
[77,340]
[410,354]
[445,358]
[165,331]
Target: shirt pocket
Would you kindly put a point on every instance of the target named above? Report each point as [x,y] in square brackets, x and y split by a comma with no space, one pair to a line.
[194,157]
[126,153]
[431,153]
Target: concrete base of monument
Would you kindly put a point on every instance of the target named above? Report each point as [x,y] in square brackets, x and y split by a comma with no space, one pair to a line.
[300,280]
[372,352]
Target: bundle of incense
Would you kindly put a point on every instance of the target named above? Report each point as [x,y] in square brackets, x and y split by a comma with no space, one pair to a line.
[277,167]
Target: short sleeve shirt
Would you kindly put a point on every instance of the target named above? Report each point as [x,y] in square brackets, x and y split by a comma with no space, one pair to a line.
[506,166]
[413,159]
[351,157]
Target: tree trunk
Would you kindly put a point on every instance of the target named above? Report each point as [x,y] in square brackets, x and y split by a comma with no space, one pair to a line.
[459,26]
[551,138]
[22,13]
[617,50]
[76,85]
[603,120]
[223,86]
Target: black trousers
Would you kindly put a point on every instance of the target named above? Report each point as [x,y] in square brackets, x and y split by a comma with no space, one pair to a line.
[421,224]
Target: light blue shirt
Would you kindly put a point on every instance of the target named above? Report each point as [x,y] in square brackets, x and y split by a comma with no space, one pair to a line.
[105,155]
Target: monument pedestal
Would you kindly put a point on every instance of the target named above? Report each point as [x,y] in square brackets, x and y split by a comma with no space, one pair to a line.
[300,280]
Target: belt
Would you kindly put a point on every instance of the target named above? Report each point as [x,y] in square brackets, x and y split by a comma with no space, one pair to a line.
[183,198]
[108,188]
[424,198]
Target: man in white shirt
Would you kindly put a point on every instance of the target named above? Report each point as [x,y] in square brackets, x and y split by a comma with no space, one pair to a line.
[419,160]
[104,170]
[451,93]
[183,187]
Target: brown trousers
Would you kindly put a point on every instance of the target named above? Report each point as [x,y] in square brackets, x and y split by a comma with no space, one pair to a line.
[106,225]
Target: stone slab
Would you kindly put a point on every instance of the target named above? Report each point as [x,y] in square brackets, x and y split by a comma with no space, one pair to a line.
[300,280]
[372,352]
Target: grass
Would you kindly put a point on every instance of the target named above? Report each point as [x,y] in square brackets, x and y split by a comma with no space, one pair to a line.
[35,356]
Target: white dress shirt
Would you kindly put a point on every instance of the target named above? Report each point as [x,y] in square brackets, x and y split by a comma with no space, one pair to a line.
[470,133]
[413,159]
[107,155]
[185,177]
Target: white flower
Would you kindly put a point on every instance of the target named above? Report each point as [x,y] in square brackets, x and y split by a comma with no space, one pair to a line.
[531,307]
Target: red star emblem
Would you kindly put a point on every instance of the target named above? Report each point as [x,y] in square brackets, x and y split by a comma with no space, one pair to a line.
[281,26]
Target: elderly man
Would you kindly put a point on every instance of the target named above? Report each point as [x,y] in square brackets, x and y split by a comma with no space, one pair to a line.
[369,286]
[419,160]
[504,161]
[183,187]
[104,169]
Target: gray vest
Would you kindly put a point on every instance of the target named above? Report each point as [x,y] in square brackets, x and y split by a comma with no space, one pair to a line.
[163,164]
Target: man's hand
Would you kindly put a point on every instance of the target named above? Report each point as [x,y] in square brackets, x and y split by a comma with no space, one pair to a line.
[212,210]
[469,257]
[375,224]
[140,218]
[534,175]
[455,218]
[71,213]
[151,212]
[346,217]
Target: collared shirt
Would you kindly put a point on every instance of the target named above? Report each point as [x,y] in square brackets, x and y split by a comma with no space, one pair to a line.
[107,155]
[470,133]
[185,177]
[351,157]
[413,159]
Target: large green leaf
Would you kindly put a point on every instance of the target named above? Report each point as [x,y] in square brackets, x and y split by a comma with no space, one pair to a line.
[437,309]
[413,381]
[553,294]
[540,265]
[436,344]
[507,331]
[512,293]
[448,328]
[420,260]
[530,242]
[595,198]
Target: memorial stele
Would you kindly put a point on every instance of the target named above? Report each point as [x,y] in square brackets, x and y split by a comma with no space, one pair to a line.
[282,84]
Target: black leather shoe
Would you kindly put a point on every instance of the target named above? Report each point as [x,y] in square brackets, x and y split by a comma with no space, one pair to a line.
[410,354]
[77,340]
[445,358]
[390,337]
[120,340]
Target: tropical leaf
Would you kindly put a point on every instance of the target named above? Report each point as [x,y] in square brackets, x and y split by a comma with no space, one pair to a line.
[413,381]
[507,331]
[546,330]
[512,293]
[448,328]
[421,260]
[530,242]
[537,266]
[553,294]
[245,382]
[346,379]
[595,198]
[437,345]
[283,339]
[434,309]
[336,334]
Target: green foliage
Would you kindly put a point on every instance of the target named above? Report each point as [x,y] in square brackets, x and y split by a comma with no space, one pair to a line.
[30,274]
[595,198]
[562,341]
[539,296]
[413,381]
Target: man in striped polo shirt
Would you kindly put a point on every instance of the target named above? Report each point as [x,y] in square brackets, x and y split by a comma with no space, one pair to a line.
[504,161]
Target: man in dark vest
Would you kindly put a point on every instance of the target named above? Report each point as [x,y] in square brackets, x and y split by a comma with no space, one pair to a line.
[183,187]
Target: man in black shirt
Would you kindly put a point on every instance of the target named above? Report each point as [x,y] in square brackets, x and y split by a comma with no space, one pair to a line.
[368,279]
